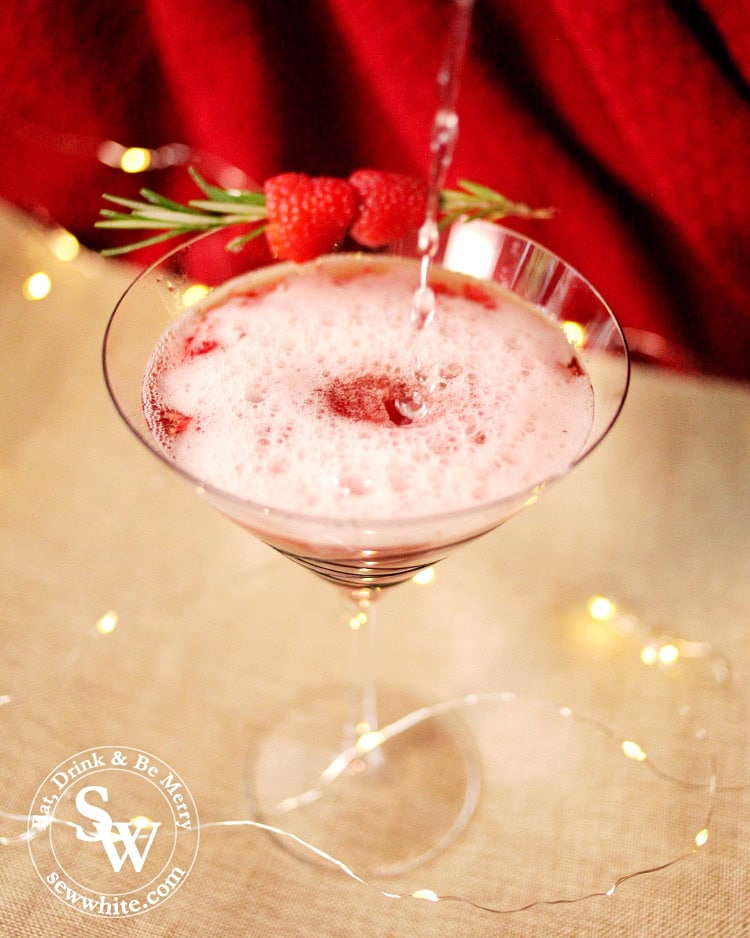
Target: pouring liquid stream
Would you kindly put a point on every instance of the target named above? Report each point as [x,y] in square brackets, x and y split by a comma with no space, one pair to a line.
[442,144]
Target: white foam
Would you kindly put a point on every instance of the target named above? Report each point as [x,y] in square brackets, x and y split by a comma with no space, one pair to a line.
[507,413]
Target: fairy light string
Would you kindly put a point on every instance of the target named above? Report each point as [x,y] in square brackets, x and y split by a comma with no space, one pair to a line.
[370,740]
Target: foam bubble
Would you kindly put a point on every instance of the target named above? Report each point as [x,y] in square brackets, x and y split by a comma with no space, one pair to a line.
[506,412]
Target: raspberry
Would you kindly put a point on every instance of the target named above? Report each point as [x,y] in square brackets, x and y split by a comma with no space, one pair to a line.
[307,215]
[390,206]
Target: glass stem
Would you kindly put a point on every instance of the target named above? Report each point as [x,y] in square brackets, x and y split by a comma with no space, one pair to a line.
[362,707]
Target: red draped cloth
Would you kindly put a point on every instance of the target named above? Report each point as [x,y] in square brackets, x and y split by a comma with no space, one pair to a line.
[631,117]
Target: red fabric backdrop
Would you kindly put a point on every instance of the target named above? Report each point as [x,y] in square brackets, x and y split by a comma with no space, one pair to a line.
[632,117]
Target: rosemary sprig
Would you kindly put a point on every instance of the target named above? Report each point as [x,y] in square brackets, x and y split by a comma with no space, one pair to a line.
[473,201]
[221,207]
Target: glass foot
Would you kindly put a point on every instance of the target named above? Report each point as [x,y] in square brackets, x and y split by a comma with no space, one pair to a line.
[570,808]
[379,807]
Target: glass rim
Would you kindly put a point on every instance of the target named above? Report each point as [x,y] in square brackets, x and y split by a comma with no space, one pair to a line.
[366,523]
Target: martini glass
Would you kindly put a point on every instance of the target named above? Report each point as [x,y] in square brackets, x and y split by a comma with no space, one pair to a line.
[331,770]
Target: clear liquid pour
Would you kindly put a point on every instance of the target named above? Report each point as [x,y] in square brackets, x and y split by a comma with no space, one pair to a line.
[442,144]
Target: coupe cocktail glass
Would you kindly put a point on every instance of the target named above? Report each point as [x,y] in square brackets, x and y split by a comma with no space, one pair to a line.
[325,772]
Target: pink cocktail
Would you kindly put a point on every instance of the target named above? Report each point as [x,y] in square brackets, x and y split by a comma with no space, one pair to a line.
[283,388]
